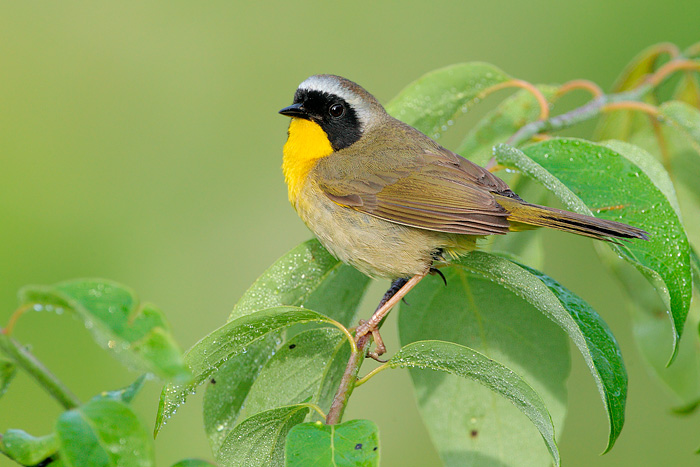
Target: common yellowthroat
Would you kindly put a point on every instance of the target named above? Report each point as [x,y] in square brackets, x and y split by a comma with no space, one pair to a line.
[390,201]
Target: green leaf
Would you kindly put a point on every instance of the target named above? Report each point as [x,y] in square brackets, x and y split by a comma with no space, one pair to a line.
[584,326]
[259,440]
[351,444]
[650,325]
[650,328]
[137,334]
[193,463]
[8,370]
[501,123]
[103,432]
[307,368]
[465,362]
[468,423]
[127,393]
[621,124]
[26,449]
[581,174]
[684,118]
[432,101]
[227,389]
[688,89]
[307,276]
[233,338]
[651,167]
[642,65]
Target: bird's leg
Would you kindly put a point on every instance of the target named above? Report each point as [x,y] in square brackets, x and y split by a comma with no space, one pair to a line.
[399,288]
[395,287]
[378,342]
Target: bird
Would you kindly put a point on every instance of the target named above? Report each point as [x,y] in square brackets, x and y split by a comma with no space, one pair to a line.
[392,202]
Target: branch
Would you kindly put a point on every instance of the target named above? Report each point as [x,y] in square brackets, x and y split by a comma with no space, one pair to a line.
[584,84]
[518,83]
[580,114]
[347,384]
[596,106]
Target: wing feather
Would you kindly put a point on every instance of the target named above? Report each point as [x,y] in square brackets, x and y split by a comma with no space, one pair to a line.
[427,186]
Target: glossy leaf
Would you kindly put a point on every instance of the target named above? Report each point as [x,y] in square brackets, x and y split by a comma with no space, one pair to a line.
[469,424]
[307,368]
[307,276]
[582,174]
[227,389]
[8,370]
[137,334]
[651,167]
[465,362]
[194,463]
[259,440]
[103,432]
[432,101]
[233,338]
[583,325]
[26,449]
[501,123]
[650,325]
[351,444]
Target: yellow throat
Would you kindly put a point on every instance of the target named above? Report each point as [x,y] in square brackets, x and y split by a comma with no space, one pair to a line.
[306,144]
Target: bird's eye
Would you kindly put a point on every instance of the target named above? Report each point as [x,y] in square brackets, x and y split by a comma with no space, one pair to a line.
[336,110]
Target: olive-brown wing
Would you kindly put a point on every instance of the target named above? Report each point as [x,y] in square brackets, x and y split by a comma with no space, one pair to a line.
[435,190]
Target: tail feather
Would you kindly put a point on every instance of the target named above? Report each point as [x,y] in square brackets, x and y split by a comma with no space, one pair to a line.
[542,216]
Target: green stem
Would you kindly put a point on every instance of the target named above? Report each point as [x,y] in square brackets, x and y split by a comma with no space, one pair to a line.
[47,380]
[349,380]
[372,373]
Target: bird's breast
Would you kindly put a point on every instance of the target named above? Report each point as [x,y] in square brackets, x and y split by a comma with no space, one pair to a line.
[306,144]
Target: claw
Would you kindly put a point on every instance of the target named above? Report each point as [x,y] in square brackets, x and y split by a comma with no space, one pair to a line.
[439,273]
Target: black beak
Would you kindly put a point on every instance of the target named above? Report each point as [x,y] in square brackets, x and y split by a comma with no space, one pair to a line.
[295,110]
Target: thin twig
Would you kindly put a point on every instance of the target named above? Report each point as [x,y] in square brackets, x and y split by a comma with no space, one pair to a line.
[594,107]
[674,65]
[369,375]
[585,84]
[632,105]
[14,317]
[317,409]
[585,112]
[47,380]
[518,83]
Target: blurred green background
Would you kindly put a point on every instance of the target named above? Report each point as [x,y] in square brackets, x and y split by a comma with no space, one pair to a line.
[140,142]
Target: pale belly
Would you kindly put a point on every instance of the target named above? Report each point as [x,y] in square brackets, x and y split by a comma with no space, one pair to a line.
[374,246]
